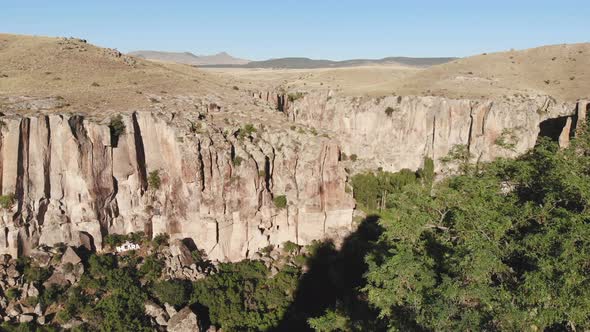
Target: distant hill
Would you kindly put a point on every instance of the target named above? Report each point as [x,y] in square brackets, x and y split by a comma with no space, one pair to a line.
[189,58]
[306,63]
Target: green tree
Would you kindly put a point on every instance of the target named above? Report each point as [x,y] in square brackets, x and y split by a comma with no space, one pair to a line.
[243,297]
[330,322]
[123,308]
[101,265]
[497,248]
[151,268]
[174,292]
[117,128]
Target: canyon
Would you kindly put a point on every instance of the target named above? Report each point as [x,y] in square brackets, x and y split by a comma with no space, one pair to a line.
[212,159]
[74,182]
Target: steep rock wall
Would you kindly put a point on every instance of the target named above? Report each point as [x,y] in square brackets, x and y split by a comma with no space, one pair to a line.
[398,132]
[73,184]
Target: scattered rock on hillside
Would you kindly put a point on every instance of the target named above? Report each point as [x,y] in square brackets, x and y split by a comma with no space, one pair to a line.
[184,320]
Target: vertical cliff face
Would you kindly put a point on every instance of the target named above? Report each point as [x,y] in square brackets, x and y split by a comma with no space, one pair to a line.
[73,184]
[398,132]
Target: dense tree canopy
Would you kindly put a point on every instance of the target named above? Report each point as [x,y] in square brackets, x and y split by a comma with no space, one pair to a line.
[500,247]
[244,297]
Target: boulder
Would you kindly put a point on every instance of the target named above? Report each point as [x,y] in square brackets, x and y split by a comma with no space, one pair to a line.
[178,249]
[12,272]
[32,291]
[26,318]
[170,309]
[42,258]
[70,256]
[184,320]
[57,278]
[72,323]
[153,310]
[27,309]
[38,311]
[13,310]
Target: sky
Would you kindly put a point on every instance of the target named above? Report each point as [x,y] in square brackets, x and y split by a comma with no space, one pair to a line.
[328,29]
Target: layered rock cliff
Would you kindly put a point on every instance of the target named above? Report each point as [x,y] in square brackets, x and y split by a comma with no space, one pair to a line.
[399,132]
[74,182]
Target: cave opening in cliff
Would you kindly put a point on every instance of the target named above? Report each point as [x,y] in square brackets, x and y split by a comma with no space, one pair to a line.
[189,243]
[552,128]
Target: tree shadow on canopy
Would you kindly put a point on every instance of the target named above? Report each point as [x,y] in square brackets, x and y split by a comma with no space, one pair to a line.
[333,281]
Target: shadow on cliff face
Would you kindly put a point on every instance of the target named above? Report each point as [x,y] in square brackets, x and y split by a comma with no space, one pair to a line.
[333,280]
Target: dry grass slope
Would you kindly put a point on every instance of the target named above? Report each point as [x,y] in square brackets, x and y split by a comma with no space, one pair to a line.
[561,71]
[93,78]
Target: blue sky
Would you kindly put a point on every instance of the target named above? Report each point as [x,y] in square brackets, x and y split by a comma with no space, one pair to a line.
[332,29]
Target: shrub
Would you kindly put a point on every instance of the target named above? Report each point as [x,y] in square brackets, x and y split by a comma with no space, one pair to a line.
[235,87]
[389,111]
[507,140]
[194,127]
[51,295]
[12,293]
[101,265]
[199,255]
[280,201]
[174,292]
[36,274]
[299,260]
[237,161]
[136,237]
[154,180]
[353,157]
[152,268]
[31,301]
[343,156]
[290,247]
[161,239]
[117,128]
[114,240]
[458,155]
[427,173]
[246,131]
[267,250]
[7,201]
[295,96]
